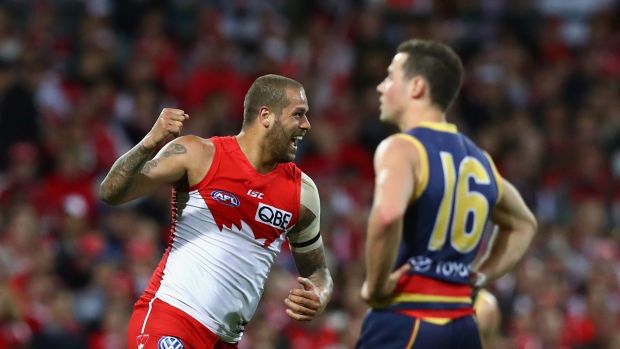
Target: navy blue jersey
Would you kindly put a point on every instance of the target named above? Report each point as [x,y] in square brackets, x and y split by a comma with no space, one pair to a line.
[454,194]
[453,200]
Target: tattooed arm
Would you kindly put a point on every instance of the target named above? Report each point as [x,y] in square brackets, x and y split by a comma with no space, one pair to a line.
[135,174]
[307,247]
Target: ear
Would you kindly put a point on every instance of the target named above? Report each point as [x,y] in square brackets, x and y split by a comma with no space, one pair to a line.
[417,87]
[264,116]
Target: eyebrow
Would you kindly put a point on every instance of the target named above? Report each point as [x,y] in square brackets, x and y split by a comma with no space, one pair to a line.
[298,109]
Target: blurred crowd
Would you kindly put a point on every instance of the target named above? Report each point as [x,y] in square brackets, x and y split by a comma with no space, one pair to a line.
[81,81]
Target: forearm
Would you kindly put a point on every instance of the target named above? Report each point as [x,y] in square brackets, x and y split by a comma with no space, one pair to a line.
[115,186]
[506,251]
[381,247]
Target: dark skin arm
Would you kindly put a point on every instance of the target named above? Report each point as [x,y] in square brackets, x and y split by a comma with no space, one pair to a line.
[134,174]
[137,173]
[305,303]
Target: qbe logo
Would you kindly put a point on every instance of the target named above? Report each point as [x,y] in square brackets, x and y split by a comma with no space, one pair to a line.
[273,216]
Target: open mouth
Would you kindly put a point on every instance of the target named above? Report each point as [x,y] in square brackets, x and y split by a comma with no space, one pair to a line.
[295,141]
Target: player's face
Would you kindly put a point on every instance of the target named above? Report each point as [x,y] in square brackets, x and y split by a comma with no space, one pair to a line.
[289,127]
[393,91]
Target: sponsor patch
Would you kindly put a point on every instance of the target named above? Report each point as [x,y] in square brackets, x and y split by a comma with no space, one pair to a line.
[227,198]
[273,216]
[169,343]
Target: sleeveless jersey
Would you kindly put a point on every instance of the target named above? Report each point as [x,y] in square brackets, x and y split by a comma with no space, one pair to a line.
[443,226]
[225,235]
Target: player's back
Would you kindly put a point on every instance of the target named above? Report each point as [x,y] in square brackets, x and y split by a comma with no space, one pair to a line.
[443,226]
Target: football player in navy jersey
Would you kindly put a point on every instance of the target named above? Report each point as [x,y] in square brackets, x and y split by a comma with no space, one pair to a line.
[435,191]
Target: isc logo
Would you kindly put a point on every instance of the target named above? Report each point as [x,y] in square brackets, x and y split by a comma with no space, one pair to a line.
[272,216]
[225,197]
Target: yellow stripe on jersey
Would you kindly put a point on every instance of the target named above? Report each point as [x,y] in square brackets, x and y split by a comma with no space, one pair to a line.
[414,334]
[440,126]
[498,177]
[424,169]
[428,298]
[437,320]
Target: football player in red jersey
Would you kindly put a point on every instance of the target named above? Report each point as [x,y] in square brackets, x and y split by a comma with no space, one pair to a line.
[236,200]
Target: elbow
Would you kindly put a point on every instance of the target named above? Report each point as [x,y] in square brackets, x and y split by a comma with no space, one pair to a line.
[106,196]
[373,295]
[388,216]
[532,225]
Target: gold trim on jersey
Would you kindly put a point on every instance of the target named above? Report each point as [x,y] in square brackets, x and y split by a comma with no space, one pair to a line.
[424,168]
[414,334]
[439,126]
[417,297]
[437,320]
[498,177]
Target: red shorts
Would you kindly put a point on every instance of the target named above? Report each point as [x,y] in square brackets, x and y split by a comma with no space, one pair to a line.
[170,326]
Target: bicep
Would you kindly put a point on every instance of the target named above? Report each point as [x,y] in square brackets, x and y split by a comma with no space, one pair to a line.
[394,178]
[167,167]
[305,236]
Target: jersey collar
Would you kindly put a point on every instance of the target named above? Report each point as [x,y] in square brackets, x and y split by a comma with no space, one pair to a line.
[439,126]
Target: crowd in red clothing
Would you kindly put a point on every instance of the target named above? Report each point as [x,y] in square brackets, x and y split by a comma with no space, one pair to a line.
[82,81]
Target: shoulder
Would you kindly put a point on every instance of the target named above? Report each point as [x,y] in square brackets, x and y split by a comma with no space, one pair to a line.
[198,155]
[195,145]
[309,196]
[309,193]
[308,183]
[399,146]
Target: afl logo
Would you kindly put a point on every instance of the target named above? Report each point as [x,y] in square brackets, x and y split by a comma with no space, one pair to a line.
[228,199]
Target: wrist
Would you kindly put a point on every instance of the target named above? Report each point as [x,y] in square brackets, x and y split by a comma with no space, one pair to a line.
[148,144]
[481,279]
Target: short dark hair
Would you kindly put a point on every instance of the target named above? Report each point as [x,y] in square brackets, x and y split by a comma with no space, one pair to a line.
[268,90]
[438,64]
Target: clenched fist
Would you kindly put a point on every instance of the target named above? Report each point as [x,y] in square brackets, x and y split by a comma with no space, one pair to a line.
[304,304]
[168,125]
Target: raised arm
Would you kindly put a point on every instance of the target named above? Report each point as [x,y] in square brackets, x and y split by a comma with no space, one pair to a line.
[134,174]
[396,169]
[307,247]
[516,228]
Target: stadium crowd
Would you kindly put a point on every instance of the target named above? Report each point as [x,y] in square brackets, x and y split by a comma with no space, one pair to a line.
[81,81]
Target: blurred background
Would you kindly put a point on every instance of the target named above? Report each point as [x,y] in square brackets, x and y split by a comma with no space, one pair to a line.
[81,81]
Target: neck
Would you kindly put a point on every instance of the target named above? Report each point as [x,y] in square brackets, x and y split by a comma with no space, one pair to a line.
[413,118]
[251,144]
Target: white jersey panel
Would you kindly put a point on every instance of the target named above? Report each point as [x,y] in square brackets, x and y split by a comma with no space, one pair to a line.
[215,276]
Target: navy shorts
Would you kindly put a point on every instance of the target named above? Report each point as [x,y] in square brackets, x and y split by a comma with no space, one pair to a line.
[389,330]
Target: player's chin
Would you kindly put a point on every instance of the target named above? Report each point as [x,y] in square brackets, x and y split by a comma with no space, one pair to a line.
[290,156]
[384,116]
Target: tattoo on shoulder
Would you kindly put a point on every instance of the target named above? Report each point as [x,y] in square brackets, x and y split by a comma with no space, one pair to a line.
[149,165]
[171,150]
[174,149]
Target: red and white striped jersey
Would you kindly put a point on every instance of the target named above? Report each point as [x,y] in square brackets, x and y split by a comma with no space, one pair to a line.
[226,233]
